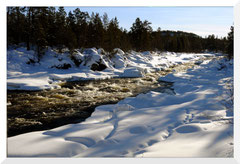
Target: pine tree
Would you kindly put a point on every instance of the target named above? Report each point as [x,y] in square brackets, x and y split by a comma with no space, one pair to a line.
[125,43]
[61,28]
[105,21]
[81,28]
[146,36]
[141,34]
[96,31]
[157,41]
[174,44]
[52,28]
[230,43]
[10,26]
[28,27]
[136,32]
[39,27]
[211,46]
[41,41]
[16,24]
[71,39]
[40,30]
[113,35]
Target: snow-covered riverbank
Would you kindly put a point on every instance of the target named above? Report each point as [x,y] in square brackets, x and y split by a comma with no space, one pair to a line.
[195,119]
[24,73]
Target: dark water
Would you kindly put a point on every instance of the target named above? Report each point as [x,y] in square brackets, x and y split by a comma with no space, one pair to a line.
[29,111]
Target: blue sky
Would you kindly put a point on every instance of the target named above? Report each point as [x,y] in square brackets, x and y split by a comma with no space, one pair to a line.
[200,20]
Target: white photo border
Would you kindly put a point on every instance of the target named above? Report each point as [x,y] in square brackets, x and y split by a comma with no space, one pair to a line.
[158,3]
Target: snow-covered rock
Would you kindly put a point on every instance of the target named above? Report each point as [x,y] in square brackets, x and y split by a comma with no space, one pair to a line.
[119,60]
[93,60]
[77,57]
[86,64]
[132,72]
[118,51]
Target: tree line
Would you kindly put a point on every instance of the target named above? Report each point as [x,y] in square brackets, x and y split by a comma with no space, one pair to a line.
[39,27]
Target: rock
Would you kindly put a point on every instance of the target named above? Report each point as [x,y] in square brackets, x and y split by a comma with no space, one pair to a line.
[98,66]
[62,66]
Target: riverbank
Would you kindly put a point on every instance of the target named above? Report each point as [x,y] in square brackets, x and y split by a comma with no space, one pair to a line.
[75,101]
[44,95]
[25,72]
[195,119]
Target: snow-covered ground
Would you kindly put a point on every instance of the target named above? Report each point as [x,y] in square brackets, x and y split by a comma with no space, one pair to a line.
[193,120]
[24,74]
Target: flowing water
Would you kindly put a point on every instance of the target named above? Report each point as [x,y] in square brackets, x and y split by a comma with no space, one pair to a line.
[40,110]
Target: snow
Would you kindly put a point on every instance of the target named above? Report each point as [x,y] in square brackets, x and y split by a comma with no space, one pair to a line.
[132,72]
[24,72]
[192,121]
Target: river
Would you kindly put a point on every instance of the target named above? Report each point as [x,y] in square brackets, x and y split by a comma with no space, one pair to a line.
[29,111]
